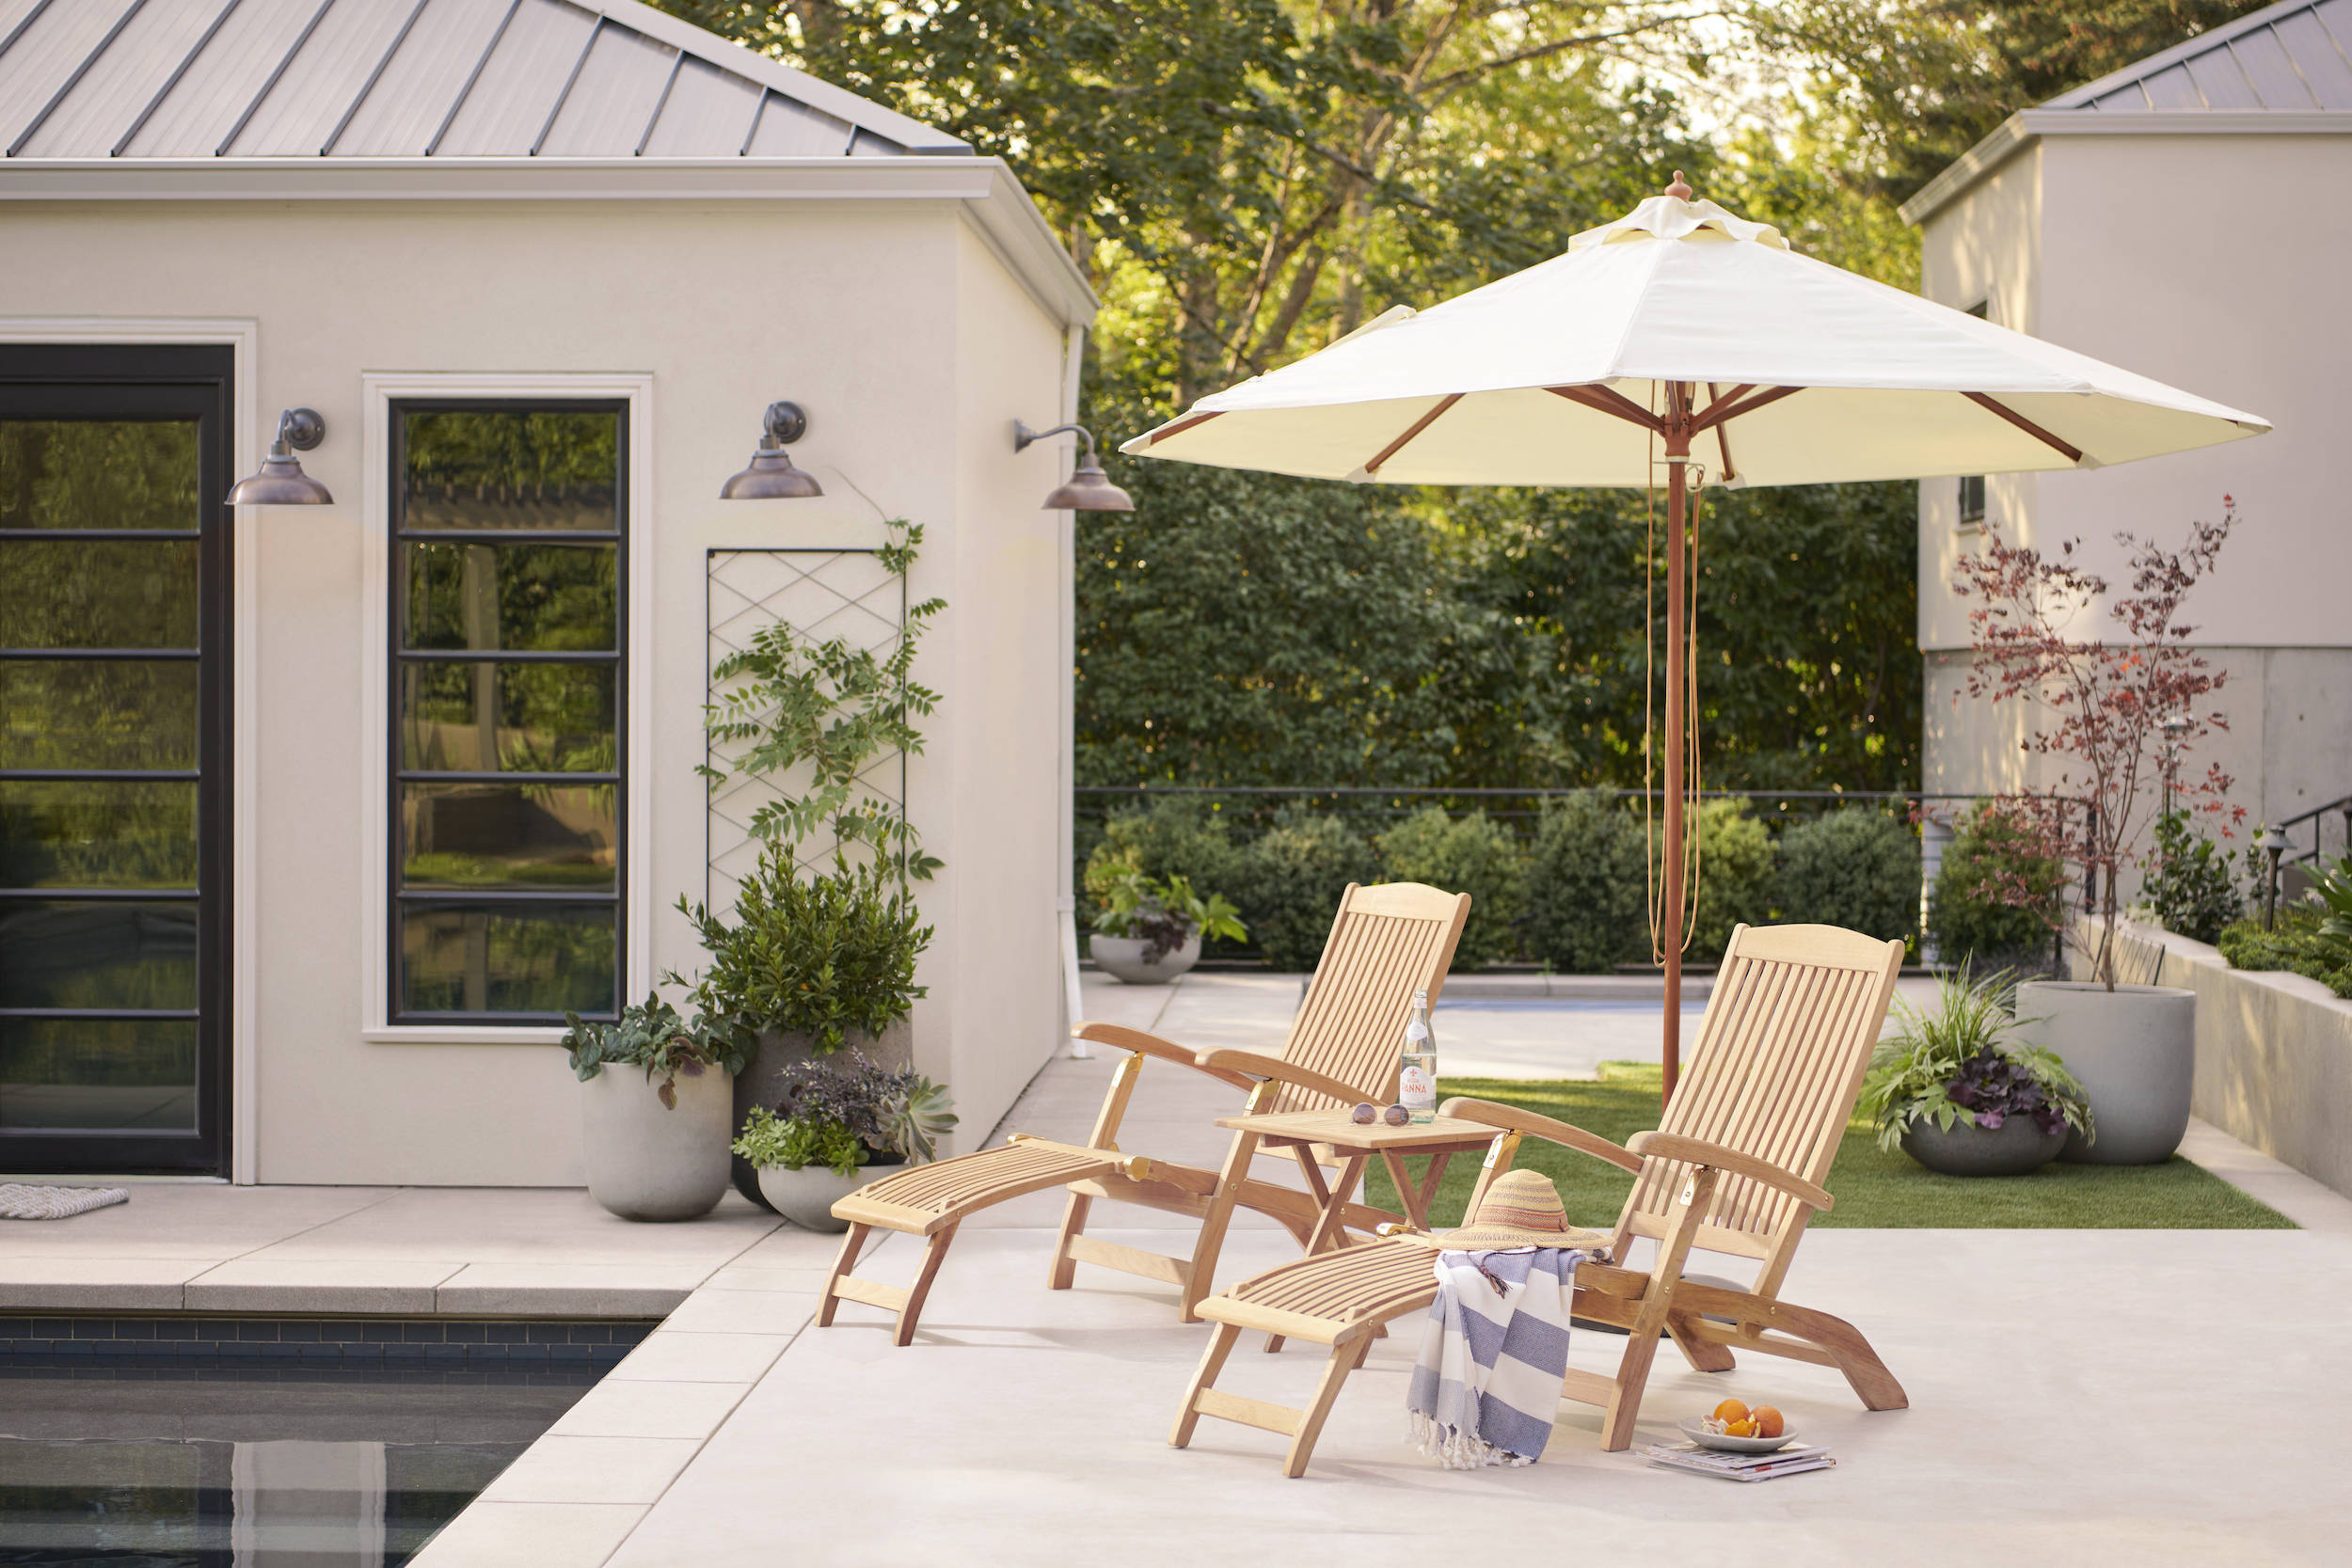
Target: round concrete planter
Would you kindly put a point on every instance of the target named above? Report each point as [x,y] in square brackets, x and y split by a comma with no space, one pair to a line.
[2133,1048]
[762,1083]
[806,1197]
[1123,958]
[2016,1148]
[648,1161]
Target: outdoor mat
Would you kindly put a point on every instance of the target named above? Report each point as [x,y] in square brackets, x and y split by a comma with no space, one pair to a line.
[22,1201]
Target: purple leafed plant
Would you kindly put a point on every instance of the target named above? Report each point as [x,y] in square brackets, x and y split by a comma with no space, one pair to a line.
[1996,1087]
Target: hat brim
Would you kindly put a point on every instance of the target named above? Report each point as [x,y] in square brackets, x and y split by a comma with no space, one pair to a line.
[1500,1238]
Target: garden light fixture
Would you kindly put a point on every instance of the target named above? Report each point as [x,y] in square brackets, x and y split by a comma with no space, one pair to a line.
[2275,845]
[281,481]
[771,476]
[1088,488]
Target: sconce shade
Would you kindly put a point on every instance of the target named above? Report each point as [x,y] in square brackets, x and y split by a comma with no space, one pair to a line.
[281,481]
[771,476]
[1090,490]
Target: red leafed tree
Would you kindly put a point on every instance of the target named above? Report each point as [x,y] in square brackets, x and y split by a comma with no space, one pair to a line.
[2105,698]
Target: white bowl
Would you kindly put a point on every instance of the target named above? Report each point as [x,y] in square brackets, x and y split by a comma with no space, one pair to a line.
[1695,1428]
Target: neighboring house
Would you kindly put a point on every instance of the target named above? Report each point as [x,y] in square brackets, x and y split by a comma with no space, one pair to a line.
[2187,218]
[270,904]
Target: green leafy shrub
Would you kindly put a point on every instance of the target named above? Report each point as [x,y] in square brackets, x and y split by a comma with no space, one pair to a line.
[1290,881]
[2297,946]
[1855,867]
[1163,914]
[651,1035]
[1471,854]
[819,956]
[1735,876]
[2188,886]
[1967,916]
[1585,886]
[1170,838]
[841,1119]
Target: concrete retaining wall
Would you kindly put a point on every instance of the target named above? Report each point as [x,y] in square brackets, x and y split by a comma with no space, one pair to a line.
[2274,1050]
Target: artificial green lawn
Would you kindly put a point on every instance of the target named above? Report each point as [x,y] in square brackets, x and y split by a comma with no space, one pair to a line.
[1874,1190]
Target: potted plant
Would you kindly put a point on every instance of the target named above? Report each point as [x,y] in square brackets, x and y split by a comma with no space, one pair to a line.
[656,1142]
[838,1127]
[1961,1094]
[2119,708]
[808,966]
[1148,932]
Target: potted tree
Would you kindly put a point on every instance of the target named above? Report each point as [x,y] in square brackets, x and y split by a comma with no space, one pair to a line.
[1961,1094]
[809,966]
[2132,1046]
[1148,932]
[656,1140]
[837,1126]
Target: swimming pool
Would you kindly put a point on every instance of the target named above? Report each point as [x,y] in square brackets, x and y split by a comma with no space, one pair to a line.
[222,1442]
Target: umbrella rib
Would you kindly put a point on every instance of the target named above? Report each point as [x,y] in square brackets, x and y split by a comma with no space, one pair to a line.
[2071,453]
[1607,399]
[1722,437]
[1414,429]
[1726,409]
[1180,426]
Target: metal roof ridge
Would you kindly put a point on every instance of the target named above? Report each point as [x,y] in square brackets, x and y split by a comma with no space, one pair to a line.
[2079,99]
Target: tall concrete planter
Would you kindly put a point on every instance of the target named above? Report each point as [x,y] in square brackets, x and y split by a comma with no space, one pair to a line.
[2133,1048]
[648,1161]
[762,1083]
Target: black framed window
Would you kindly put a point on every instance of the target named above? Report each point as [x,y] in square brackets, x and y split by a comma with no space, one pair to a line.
[1972,485]
[509,799]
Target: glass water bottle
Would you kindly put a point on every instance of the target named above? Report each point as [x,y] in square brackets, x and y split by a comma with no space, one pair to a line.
[1416,1072]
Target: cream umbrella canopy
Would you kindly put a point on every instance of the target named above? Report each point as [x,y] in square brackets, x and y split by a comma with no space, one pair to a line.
[1682,334]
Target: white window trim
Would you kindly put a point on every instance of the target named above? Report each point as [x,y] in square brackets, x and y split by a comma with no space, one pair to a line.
[377,392]
[243,336]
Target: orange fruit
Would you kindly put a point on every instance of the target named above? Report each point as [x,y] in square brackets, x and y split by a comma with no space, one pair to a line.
[1767,1422]
[1731,1410]
[1739,1428]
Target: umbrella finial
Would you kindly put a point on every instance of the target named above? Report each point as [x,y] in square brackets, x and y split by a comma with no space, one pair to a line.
[1678,190]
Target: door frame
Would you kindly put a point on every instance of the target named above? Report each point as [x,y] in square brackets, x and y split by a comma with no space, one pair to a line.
[241,335]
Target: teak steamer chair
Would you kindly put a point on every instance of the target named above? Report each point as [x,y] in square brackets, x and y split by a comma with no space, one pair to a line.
[1735,1168]
[1343,1048]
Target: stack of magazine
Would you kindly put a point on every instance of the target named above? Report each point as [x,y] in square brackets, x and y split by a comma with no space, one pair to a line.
[1792,1460]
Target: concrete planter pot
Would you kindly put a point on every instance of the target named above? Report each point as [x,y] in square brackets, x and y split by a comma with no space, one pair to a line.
[648,1161]
[761,1083]
[806,1197]
[2018,1146]
[2135,1050]
[1123,957]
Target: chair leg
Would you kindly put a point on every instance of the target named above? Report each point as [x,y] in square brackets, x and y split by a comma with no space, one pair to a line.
[1199,1280]
[1705,1355]
[1074,1222]
[1625,1402]
[933,1255]
[843,1262]
[1212,1362]
[1345,1359]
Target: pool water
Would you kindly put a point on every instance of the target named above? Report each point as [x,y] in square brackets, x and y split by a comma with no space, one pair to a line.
[195,1455]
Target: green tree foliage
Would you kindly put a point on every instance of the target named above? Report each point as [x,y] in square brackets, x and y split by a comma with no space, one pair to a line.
[1968,919]
[1472,854]
[2189,884]
[1585,886]
[1855,867]
[1735,876]
[1291,883]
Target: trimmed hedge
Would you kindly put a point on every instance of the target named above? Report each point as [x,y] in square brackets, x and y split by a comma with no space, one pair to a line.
[1854,867]
[1967,921]
[1585,886]
[1468,854]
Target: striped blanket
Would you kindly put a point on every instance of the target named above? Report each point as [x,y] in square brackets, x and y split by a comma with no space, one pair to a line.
[1487,1383]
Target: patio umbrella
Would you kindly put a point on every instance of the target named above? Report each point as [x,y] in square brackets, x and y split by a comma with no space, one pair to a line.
[1682,334]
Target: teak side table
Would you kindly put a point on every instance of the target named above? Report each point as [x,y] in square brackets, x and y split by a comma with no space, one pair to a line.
[1355,1143]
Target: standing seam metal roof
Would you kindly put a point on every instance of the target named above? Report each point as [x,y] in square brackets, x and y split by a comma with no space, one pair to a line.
[2296,56]
[201,79]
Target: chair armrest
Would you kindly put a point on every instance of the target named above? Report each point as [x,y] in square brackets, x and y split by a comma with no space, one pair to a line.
[1512,1119]
[1152,1045]
[1274,1067]
[1698,1151]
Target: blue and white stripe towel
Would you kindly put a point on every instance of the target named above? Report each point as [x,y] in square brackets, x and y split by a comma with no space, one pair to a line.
[1487,1383]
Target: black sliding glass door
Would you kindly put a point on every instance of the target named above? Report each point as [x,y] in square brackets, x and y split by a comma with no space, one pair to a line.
[114,758]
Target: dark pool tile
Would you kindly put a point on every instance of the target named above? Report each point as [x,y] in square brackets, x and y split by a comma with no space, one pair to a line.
[507,1334]
[72,1347]
[465,1334]
[257,1330]
[240,1349]
[570,1352]
[547,1334]
[380,1333]
[404,1353]
[299,1331]
[16,1328]
[93,1328]
[587,1334]
[422,1333]
[29,1347]
[114,1347]
[53,1328]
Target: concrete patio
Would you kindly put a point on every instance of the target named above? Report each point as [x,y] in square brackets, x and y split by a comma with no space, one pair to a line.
[2126,1397]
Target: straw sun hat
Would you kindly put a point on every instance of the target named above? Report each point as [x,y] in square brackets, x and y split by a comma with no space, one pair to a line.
[1521,1208]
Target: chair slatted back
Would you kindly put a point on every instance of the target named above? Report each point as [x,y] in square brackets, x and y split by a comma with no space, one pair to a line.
[1785,1040]
[1386,943]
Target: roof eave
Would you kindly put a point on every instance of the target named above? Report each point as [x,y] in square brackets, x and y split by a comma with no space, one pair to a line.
[2020,129]
[985,188]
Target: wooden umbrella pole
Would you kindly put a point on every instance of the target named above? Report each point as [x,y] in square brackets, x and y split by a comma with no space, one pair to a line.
[1677,441]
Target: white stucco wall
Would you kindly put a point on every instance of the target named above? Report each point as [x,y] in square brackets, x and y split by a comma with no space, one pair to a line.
[2211,262]
[910,348]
